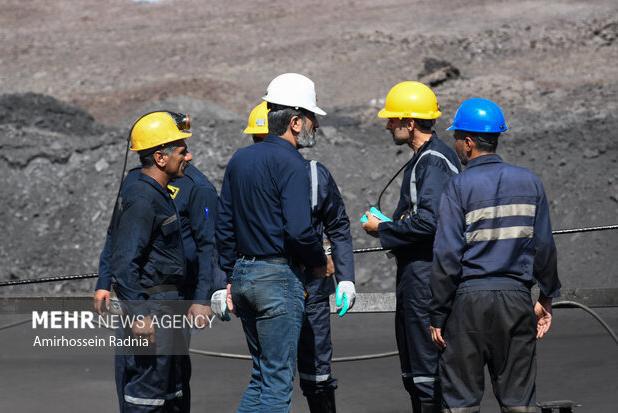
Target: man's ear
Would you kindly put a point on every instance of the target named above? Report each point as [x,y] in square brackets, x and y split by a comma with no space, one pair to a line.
[160,158]
[469,142]
[410,124]
[296,124]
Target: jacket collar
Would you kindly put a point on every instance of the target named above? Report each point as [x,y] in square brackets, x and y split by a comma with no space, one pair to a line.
[154,184]
[484,159]
[277,140]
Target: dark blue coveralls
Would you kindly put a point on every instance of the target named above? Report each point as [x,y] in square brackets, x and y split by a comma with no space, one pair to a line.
[195,199]
[493,241]
[410,238]
[315,348]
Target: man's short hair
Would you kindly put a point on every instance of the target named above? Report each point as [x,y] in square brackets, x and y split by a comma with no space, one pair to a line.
[279,117]
[146,157]
[485,142]
[425,125]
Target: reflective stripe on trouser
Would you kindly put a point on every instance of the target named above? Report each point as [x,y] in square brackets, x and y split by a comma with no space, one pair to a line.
[417,353]
[269,299]
[496,328]
[315,349]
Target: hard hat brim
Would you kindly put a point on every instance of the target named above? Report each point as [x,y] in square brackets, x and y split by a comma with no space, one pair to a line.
[254,131]
[385,114]
[313,109]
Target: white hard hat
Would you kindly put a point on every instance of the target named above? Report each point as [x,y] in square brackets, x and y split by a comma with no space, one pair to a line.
[294,90]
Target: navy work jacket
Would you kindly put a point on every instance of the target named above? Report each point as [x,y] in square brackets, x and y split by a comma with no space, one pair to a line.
[264,208]
[494,233]
[330,218]
[196,201]
[145,240]
[411,234]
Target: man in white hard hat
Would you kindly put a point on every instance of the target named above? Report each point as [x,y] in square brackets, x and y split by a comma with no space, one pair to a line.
[265,238]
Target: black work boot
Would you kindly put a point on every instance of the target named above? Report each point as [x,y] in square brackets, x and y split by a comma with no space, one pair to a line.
[323,402]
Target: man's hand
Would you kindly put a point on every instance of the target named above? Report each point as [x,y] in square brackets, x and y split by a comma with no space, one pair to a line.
[371,226]
[200,315]
[330,266]
[101,301]
[543,311]
[436,337]
[144,328]
[345,296]
[228,299]
[219,302]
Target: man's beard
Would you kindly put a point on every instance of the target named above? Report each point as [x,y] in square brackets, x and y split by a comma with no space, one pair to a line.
[306,138]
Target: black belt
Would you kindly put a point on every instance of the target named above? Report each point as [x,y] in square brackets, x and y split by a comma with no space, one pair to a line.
[275,259]
[162,288]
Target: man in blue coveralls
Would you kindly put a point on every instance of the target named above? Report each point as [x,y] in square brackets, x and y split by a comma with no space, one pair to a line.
[315,349]
[195,200]
[493,241]
[411,109]
[265,236]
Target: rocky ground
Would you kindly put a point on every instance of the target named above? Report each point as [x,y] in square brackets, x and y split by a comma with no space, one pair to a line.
[73,77]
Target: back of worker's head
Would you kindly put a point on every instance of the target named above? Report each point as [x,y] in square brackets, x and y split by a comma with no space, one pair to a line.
[478,123]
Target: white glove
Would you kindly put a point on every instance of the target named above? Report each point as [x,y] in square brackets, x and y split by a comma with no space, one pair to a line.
[218,304]
[345,296]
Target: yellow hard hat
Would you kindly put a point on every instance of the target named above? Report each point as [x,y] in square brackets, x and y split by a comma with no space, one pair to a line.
[410,100]
[158,128]
[258,120]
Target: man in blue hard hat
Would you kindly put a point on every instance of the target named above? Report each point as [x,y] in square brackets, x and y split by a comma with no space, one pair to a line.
[493,242]
[411,109]
[329,219]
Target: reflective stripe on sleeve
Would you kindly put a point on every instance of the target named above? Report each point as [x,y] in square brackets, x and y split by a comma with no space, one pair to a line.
[424,379]
[500,211]
[314,184]
[495,234]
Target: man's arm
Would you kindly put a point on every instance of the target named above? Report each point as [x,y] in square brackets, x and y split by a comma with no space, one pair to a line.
[305,244]
[104,281]
[431,176]
[336,226]
[203,206]
[130,237]
[448,249]
[545,269]
[225,235]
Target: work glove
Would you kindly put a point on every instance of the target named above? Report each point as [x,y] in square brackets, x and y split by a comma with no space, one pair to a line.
[345,295]
[218,304]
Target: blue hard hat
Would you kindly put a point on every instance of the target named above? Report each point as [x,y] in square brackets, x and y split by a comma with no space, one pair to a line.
[479,115]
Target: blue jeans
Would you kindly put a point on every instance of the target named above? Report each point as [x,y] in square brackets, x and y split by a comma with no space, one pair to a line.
[269,299]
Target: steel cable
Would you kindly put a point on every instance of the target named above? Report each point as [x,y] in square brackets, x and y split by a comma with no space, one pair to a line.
[356,251]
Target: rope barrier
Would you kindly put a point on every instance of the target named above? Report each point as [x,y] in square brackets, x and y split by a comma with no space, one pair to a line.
[356,251]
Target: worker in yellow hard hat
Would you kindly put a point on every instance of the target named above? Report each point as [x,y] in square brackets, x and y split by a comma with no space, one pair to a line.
[257,124]
[154,253]
[411,109]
